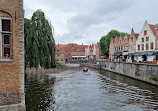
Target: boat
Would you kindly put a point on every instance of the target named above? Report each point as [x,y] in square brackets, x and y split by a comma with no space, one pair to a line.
[85,70]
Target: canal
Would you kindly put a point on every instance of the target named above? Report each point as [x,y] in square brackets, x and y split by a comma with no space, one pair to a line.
[71,90]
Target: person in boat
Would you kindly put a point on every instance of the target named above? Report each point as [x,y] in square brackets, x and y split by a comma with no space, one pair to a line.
[85,69]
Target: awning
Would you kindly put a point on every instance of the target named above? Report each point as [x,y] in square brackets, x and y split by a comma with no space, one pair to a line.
[78,56]
[117,54]
[125,53]
[155,53]
[144,53]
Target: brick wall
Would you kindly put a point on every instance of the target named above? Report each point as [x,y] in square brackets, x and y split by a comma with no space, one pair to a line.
[12,71]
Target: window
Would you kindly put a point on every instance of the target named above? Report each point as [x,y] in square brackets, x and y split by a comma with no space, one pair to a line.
[5,38]
[145,32]
[62,59]
[57,50]
[5,25]
[6,46]
[142,46]
[126,48]
[58,55]
[147,46]
[147,39]
[138,47]
[131,39]
[120,41]
[57,59]
[142,39]
[72,49]
[152,45]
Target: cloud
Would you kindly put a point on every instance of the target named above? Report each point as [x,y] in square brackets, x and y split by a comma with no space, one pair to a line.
[86,21]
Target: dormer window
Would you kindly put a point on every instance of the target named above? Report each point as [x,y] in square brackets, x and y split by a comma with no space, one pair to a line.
[145,32]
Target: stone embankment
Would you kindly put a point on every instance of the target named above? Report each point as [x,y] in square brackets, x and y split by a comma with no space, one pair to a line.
[140,71]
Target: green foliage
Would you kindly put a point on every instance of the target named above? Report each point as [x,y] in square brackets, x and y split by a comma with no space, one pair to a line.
[105,41]
[155,78]
[137,74]
[58,65]
[39,42]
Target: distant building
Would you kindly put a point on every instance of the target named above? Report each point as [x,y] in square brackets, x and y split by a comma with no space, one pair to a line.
[12,55]
[93,52]
[71,51]
[147,43]
[98,51]
[60,53]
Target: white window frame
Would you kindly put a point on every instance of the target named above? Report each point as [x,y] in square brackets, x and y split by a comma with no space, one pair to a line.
[1,40]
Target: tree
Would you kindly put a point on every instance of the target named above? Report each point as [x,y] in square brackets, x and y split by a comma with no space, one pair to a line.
[39,41]
[105,41]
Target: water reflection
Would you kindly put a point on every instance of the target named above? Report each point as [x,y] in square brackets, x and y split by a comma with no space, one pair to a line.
[39,93]
[71,90]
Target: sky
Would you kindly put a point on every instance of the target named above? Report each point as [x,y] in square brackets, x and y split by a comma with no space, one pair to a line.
[86,21]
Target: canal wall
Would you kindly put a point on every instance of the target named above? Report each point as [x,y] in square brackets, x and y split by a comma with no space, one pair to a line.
[140,71]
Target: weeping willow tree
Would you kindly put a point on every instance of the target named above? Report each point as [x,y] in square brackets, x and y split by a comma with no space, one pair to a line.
[39,42]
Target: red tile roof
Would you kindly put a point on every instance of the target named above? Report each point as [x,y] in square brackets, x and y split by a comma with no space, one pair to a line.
[153,28]
[72,47]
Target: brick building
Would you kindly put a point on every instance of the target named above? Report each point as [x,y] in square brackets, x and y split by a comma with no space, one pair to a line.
[60,53]
[68,52]
[12,55]
[119,47]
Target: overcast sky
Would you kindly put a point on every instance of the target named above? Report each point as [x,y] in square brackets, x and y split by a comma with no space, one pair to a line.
[86,21]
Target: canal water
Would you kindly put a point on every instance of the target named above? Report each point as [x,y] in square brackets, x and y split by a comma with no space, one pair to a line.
[71,90]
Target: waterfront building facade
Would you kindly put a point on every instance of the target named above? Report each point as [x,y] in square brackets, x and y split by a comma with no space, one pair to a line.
[147,43]
[98,51]
[119,47]
[12,55]
[69,52]
[132,44]
[141,47]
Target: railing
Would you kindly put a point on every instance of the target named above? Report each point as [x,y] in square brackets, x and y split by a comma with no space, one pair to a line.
[10,98]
